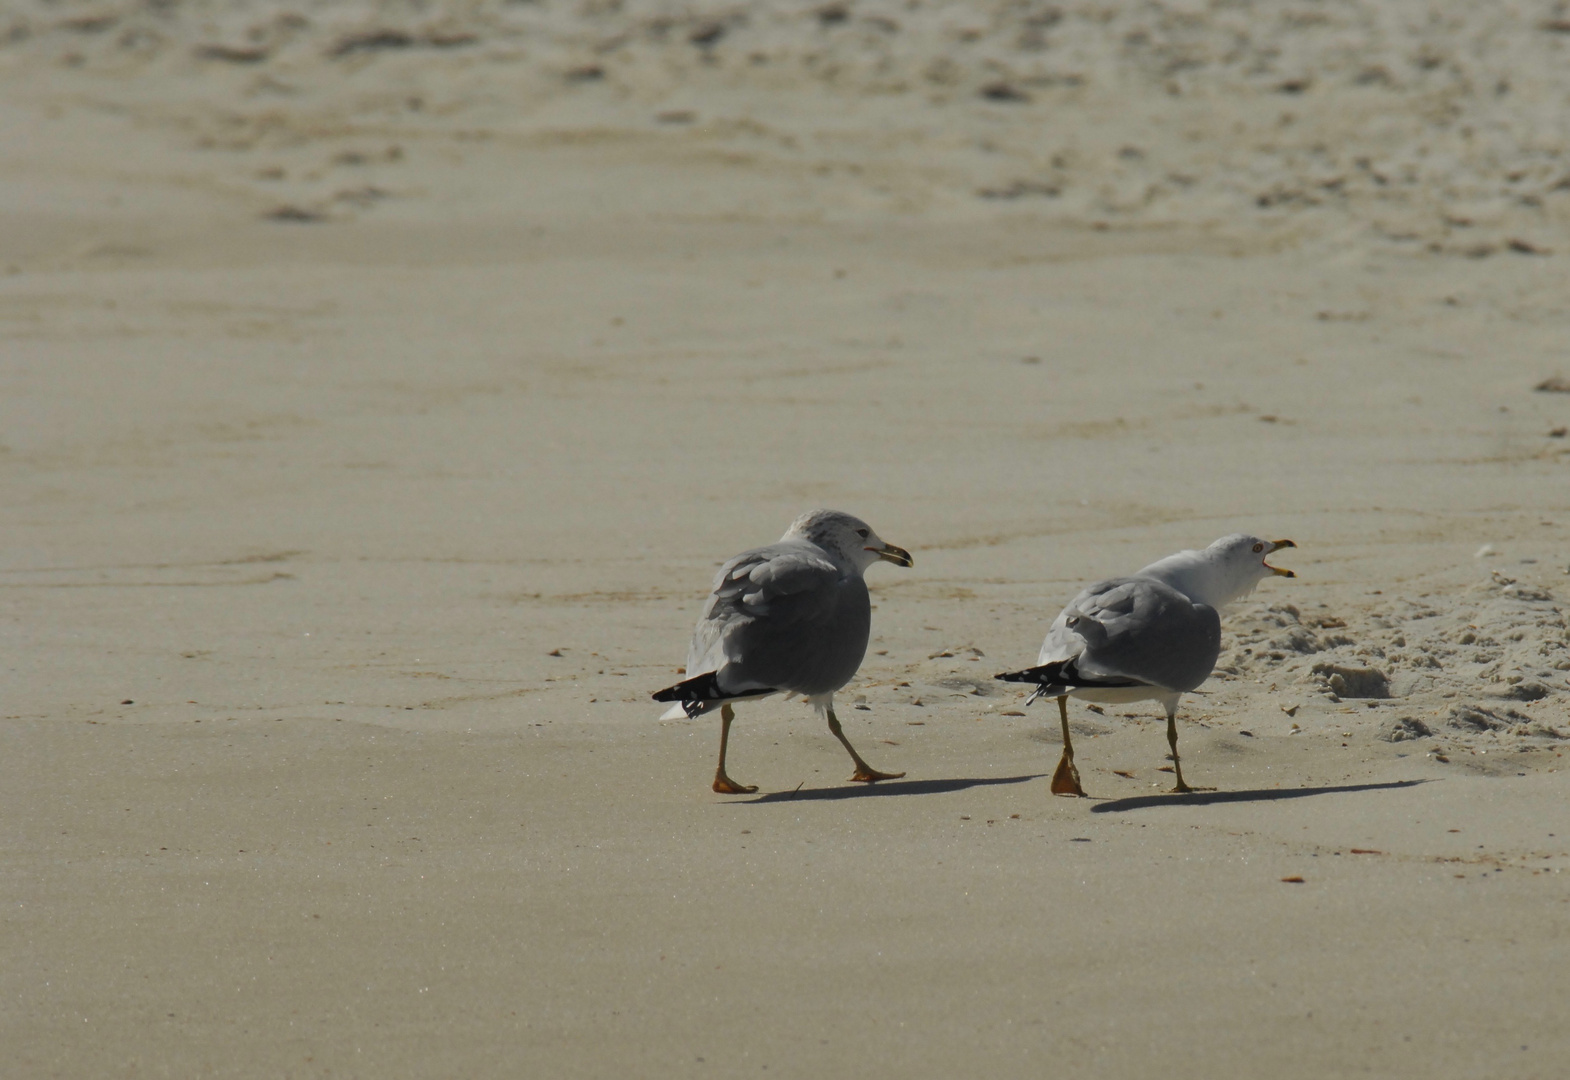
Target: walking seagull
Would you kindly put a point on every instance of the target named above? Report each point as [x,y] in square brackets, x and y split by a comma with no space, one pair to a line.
[1156,634]
[791,618]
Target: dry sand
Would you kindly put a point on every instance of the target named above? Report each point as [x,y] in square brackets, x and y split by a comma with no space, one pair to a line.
[383,383]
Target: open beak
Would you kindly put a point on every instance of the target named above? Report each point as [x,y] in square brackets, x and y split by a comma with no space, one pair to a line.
[896,555]
[1277,545]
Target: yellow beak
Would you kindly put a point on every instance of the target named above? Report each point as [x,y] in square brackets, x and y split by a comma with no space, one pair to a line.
[896,555]
[1277,545]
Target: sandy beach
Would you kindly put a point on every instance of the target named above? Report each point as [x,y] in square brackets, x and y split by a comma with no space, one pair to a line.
[382,384]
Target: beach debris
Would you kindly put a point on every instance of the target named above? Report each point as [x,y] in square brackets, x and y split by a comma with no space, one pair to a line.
[1004,91]
[1483,552]
[362,196]
[1018,189]
[1526,247]
[230,54]
[972,687]
[706,35]
[382,40]
[969,652]
[1554,384]
[1295,879]
[296,215]
[1290,710]
[1518,590]
[371,41]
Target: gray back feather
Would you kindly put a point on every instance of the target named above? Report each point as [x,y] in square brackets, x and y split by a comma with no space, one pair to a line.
[783,616]
[1137,628]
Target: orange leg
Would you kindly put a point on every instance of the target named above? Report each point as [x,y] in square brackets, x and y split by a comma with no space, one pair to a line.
[1065,780]
[1180,788]
[722,783]
[865,773]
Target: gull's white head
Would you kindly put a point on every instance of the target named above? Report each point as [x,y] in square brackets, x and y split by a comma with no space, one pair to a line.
[848,538]
[1223,572]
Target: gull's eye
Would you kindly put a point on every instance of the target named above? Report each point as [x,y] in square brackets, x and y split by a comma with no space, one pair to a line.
[862,533]
[1259,547]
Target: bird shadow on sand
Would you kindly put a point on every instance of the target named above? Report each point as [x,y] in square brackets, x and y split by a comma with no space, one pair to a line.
[1207,798]
[889,787]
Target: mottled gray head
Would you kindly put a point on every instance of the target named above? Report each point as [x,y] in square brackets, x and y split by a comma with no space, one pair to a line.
[847,537]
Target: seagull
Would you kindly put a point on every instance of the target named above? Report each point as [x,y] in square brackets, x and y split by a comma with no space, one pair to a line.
[1153,635]
[791,618]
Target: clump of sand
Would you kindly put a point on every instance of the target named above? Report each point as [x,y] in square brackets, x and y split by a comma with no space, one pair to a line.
[1477,666]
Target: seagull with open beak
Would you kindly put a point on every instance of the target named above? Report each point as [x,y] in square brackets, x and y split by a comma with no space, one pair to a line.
[1155,634]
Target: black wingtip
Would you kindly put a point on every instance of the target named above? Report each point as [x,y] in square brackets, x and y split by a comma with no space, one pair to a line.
[1041,676]
[1014,676]
[1062,673]
[705,687]
[689,694]
[701,691]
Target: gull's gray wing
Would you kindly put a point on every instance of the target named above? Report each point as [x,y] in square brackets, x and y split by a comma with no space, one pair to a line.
[784,617]
[1136,628]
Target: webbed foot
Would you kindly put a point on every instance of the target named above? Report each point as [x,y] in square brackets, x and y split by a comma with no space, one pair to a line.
[866,774]
[1065,780]
[724,785]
